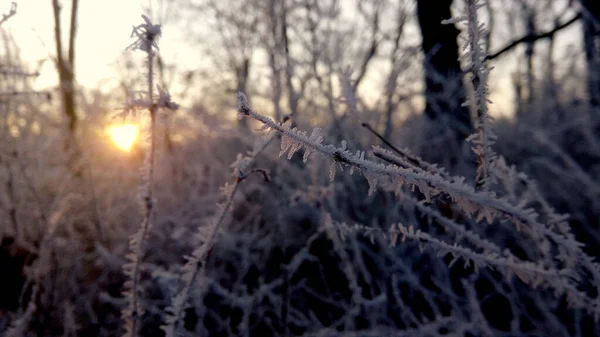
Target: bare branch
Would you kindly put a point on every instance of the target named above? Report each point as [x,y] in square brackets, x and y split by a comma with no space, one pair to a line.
[532,38]
[11,13]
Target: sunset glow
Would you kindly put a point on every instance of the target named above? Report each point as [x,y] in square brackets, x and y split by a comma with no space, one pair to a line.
[124,135]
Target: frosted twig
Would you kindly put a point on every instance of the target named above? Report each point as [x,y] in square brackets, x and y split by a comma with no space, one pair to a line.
[480,203]
[196,261]
[147,35]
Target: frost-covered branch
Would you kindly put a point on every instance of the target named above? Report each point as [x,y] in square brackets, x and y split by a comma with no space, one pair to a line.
[479,204]
[146,35]
[561,282]
[195,264]
[475,55]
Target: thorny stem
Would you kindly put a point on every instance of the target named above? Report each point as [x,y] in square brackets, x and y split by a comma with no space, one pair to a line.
[212,238]
[483,137]
[148,198]
[200,254]
[387,142]
[522,218]
[413,161]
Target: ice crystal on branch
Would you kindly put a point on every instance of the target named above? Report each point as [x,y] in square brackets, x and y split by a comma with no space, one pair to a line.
[477,204]
[164,99]
[147,35]
[474,56]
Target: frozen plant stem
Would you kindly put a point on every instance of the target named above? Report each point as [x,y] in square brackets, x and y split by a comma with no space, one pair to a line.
[195,266]
[148,204]
[474,56]
[478,205]
[483,138]
[196,262]
[146,34]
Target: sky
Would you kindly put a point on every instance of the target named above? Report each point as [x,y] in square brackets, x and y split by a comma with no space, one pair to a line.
[103,35]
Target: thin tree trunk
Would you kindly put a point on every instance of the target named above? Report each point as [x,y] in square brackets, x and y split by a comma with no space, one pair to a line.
[391,84]
[592,55]
[373,47]
[274,53]
[529,53]
[243,72]
[289,71]
[518,86]
[66,67]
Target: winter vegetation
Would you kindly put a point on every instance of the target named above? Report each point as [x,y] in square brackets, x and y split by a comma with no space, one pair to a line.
[381,177]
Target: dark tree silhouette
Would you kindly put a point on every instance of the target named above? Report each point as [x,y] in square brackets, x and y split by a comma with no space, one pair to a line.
[593,7]
[66,66]
[444,91]
[591,36]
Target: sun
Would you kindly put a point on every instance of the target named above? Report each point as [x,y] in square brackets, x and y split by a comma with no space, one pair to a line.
[124,135]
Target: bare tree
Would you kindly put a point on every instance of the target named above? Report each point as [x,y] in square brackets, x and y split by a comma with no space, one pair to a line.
[273,45]
[530,27]
[66,64]
[293,95]
[392,80]
[373,17]
[235,25]
[320,45]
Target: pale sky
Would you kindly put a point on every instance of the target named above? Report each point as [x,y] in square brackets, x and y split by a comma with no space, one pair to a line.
[104,28]
[104,33]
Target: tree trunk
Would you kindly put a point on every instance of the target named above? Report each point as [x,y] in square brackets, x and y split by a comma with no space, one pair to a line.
[530,52]
[593,7]
[289,71]
[275,54]
[66,66]
[444,90]
[392,80]
[242,74]
[591,30]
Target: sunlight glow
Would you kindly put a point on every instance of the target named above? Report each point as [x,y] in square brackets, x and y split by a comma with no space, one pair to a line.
[124,135]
